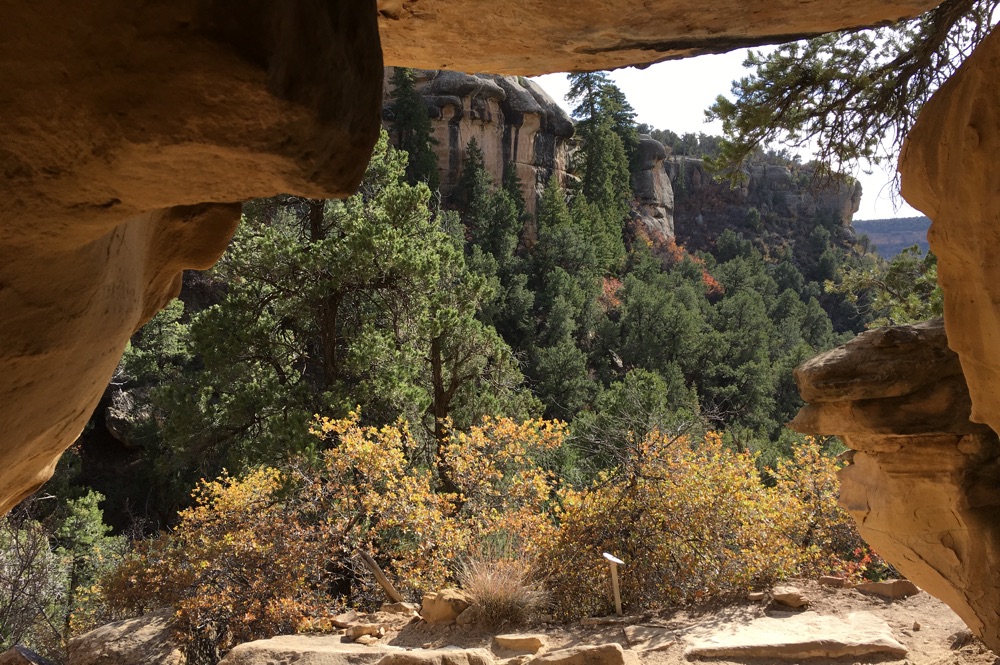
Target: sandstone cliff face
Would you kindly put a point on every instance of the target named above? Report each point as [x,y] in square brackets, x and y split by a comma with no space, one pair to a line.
[783,196]
[511,118]
[923,484]
[132,132]
[654,195]
[949,172]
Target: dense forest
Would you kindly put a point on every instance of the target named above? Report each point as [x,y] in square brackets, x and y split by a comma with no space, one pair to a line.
[437,319]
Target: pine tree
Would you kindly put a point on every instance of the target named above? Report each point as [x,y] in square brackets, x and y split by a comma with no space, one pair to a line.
[411,127]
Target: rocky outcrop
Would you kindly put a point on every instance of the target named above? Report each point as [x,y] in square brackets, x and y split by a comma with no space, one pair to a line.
[511,119]
[923,482]
[537,37]
[654,195]
[147,640]
[131,135]
[948,170]
[783,196]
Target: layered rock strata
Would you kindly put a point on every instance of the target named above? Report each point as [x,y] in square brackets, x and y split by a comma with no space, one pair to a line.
[924,482]
[512,120]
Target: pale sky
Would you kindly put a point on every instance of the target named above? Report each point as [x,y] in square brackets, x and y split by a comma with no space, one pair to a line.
[674,95]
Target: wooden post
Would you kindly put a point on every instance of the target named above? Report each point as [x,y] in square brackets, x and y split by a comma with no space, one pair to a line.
[383,581]
[613,562]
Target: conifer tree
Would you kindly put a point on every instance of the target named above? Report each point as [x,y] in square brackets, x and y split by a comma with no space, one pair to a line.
[411,127]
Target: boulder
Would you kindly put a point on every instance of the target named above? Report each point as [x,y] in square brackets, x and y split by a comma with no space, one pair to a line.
[789,596]
[444,606]
[798,636]
[147,640]
[588,654]
[527,642]
[893,589]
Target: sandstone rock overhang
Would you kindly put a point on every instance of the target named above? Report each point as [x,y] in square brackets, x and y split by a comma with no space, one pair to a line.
[533,37]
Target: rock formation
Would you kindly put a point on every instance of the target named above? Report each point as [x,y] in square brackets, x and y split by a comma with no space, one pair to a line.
[782,195]
[922,485]
[511,118]
[948,172]
[654,205]
[131,135]
[132,131]
[538,38]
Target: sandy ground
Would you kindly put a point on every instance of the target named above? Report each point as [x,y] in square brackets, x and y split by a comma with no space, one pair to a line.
[941,638]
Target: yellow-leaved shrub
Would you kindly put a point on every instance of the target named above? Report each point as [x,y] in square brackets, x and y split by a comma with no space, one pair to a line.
[278,551]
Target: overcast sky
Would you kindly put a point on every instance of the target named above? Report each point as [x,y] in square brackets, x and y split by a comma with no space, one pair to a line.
[674,95]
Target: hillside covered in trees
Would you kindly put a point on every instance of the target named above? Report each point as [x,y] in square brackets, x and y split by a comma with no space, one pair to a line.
[544,330]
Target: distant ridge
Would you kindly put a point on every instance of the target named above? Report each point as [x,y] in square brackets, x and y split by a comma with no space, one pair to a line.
[891,236]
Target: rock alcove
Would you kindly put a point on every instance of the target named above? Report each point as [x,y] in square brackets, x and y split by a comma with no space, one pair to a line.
[133,131]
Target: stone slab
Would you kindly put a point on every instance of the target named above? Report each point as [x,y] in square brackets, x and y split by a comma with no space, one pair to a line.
[805,635]
[649,638]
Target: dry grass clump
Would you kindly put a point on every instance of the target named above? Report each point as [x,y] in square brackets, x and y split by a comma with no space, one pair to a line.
[502,591]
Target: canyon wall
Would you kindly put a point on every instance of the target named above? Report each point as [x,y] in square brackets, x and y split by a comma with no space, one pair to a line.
[511,119]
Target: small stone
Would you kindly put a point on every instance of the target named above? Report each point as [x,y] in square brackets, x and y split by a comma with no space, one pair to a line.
[588,654]
[367,640]
[649,638]
[468,617]
[790,596]
[916,625]
[756,595]
[18,655]
[608,621]
[527,642]
[444,606]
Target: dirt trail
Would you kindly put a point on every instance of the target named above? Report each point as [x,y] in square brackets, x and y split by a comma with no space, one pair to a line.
[942,637]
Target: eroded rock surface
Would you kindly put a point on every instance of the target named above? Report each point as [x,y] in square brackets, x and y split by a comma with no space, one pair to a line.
[924,484]
[537,37]
[131,134]
[147,640]
[511,119]
[654,204]
[948,170]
